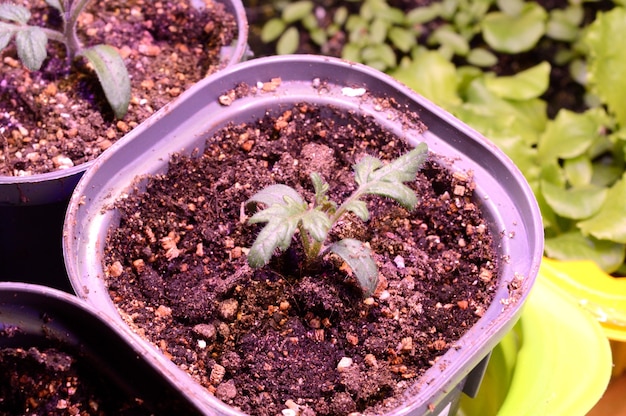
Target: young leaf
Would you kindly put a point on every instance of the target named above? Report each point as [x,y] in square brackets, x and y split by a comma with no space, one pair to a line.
[577,202]
[515,34]
[580,129]
[527,84]
[297,10]
[288,42]
[387,180]
[359,208]
[317,224]
[320,187]
[282,220]
[607,61]
[609,223]
[56,4]
[275,194]
[378,30]
[433,76]
[364,168]
[276,234]
[14,13]
[574,246]
[359,257]
[403,39]
[6,33]
[447,36]
[272,29]
[421,15]
[31,47]
[481,57]
[112,74]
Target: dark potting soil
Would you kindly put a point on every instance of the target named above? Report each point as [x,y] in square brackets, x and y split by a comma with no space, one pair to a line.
[284,336]
[56,381]
[58,117]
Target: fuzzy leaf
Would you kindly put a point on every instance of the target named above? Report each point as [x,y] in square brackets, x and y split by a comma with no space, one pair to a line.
[402,194]
[31,47]
[404,168]
[6,33]
[319,185]
[276,234]
[364,168]
[322,202]
[282,220]
[317,224]
[359,208]
[287,210]
[359,257]
[275,194]
[14,13]
[113,76]
[56,4]
[387,180]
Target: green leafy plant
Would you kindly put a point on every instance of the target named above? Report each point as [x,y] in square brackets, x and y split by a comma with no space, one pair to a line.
[287,212]
[575,161]
[31,42]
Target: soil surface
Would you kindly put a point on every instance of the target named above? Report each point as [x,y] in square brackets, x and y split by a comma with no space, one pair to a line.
[54,381]
[289,336]
[58,117]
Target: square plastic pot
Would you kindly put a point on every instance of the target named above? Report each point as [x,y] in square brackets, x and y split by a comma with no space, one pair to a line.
[502,192]
[38,316]
[32,208]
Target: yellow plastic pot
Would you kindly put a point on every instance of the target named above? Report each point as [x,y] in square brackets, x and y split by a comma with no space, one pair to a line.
[557,359]
[602,295]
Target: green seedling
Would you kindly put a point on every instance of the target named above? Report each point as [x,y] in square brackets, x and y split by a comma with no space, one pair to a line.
[286,211]
[31,42]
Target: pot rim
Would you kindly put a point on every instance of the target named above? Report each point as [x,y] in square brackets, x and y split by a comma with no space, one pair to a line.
[32,190]
[458,362]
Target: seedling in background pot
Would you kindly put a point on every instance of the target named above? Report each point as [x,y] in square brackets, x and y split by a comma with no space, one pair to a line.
[31,42]
[286,212]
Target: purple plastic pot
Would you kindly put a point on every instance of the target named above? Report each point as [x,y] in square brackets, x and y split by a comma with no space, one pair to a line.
[38,316]
[32,208]
[502,191]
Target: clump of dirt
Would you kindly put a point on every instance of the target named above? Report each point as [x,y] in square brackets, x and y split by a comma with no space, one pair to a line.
[58,117]
[286,335]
